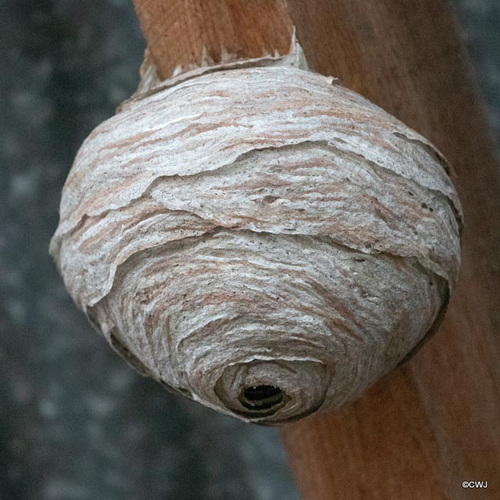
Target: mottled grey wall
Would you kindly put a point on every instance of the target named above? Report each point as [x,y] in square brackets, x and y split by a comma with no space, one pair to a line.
[75,421]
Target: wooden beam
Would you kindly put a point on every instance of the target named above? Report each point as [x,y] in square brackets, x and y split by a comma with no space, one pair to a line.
[434,422]
[179,32]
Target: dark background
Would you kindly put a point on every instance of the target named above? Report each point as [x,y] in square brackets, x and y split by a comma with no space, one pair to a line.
[75,422]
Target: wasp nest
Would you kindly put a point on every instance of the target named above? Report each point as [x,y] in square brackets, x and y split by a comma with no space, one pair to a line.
[260,239]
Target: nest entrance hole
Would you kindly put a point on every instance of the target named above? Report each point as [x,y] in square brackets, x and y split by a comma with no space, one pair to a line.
[261,397]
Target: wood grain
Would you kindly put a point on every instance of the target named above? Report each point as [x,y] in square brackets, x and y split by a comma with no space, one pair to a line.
[406,56]
[178,32]
[434,422]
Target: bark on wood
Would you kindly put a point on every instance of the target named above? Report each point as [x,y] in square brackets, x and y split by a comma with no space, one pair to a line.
[434,422]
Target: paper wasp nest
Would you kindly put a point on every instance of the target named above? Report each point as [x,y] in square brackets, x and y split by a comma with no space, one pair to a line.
[259,238]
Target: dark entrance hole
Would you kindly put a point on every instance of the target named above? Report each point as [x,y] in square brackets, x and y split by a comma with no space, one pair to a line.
[261,397]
